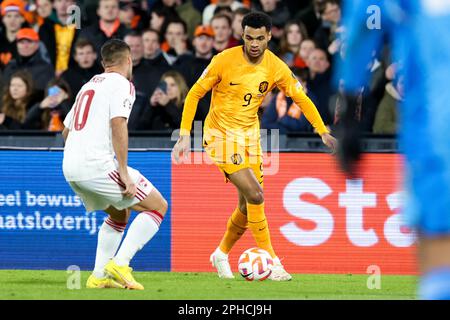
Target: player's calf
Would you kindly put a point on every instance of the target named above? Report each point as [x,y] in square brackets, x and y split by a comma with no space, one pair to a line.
[146,224]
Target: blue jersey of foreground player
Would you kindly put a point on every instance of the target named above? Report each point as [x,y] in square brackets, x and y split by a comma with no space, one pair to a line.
[419,33]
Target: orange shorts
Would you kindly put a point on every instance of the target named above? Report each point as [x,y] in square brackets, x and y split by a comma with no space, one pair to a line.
[231,156]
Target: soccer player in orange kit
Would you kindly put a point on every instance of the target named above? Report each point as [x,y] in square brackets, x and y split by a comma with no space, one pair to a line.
[240,78]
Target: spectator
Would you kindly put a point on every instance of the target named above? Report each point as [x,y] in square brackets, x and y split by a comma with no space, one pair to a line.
[59,36]
[16,100]
[192,66]
[160,17]
[188,13]
[326,35]
[294,34]
[306,47]
[108,27]
[44,9]
[49,113]
[208,13]
[12,18]
[86,66]
[279,14]
[387,112]
[320,82]
[221,24]
[224,10]
[30,59]
[310,16]
[2,83]
[175,39]
[282,113]
[140,69]
[236,25]
[166,103]
[132,16]
[145,77]
[153,55]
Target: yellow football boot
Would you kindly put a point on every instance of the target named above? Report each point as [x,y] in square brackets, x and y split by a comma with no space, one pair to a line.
[123,276]
[101,283]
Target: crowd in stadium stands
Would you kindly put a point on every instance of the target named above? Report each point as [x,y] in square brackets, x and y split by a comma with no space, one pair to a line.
[47,54]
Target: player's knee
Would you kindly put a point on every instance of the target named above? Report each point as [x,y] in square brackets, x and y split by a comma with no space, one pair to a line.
[243,207]
[163,206]
[255,197]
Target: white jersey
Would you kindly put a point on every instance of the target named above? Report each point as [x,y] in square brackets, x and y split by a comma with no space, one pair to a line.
[89,152]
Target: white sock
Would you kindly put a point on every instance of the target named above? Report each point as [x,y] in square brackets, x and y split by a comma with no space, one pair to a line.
[221,254]
[109,237]
[141,230]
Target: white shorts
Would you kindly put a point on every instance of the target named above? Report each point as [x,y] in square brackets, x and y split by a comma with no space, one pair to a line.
[105,191]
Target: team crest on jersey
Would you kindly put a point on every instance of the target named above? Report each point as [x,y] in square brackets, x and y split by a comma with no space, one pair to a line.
[263,86]
[236,158]
[143,183]
[127,103]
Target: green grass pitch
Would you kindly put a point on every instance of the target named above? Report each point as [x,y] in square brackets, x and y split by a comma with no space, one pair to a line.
[38,284]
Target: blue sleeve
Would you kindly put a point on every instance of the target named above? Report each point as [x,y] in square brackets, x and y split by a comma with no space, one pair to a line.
[361,39]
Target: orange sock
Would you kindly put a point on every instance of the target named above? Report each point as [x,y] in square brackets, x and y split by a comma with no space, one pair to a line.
[236,226]
[257,223]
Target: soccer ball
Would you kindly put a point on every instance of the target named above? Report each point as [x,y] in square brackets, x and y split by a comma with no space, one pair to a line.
[255,264]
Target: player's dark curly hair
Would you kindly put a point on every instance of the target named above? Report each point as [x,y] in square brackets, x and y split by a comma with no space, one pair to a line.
[257,20]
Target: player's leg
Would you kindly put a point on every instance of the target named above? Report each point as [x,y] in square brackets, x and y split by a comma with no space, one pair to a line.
[109,238]
[246,182]
[110,233]
[236,227]
[152,210]
[434,260]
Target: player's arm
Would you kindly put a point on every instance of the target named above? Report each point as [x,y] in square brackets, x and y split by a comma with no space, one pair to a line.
[120,109]
[210,77]
[65,134]
[68,123]
[288,83]
[360,43]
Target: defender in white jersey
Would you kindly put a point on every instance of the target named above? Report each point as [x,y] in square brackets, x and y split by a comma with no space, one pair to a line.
[95,166]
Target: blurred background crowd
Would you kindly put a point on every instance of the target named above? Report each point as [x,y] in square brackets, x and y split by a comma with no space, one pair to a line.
[50,48]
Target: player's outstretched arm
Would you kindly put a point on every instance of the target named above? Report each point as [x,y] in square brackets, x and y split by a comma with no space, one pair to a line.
[210,77]
[183,145]
[289,84]
[120,144]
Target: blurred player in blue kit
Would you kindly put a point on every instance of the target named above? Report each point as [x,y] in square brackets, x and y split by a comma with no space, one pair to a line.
[419,33]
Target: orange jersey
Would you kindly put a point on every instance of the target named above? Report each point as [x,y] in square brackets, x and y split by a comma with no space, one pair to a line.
[238,90]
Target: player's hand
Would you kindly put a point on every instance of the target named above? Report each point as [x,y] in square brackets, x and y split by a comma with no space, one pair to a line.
[130,187]
[330,142]
[181,148]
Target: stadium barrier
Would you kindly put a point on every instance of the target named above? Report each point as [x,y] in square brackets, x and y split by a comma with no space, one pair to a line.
[320,221]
